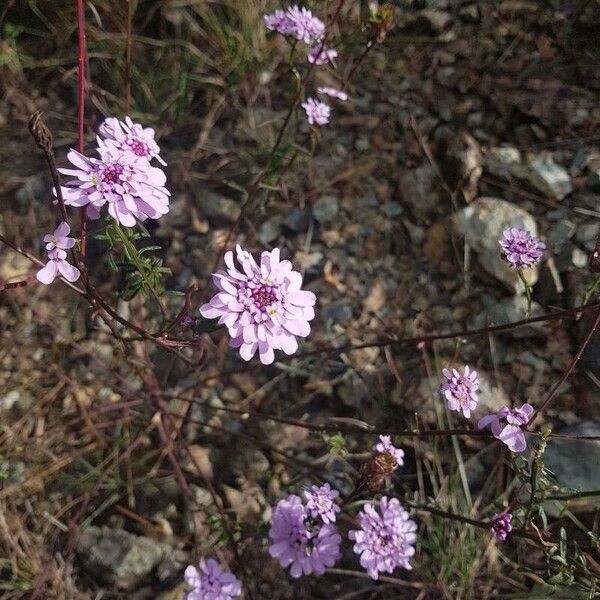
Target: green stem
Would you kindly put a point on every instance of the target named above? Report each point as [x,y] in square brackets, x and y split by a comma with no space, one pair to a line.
[527,290]
[133,253]
[593,287]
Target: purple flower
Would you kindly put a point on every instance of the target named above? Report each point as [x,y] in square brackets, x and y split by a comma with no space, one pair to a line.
[129,137]
[386,537]
[262,306]
[460,390]
[320,54]
[385,445]
[520,249]
[211,582]
[500,525]
[280,22]
[297,543]
[511,433]
[306,27]
[132,188]
[333,93]
[60,238]
[317,112]
[321,503]
[56,264]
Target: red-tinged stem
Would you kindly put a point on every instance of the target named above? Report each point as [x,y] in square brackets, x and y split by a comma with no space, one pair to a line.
[128,60]
[81,61]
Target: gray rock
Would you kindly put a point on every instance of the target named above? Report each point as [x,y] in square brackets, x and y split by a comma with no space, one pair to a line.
[296,219]
[36,189]
[391,209]
[428,21]
[510,310]
[120,558]
[548,177]
[17,401]
[217,206]
[419,191]
[579,258]
[575,463]
[482,223]
[416,233]
[587,234]
[270,229]
[560,233]
[502,161]
[325,209]
[338,311]
[539,170]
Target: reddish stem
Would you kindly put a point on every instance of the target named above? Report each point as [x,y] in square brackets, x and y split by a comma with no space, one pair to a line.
[81,61]
[128,60]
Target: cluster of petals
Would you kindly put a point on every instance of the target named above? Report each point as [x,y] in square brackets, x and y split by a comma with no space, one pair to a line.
[121,176]
[317,112]
[296,21]
[305,545]
[211,582]
[386,537]
[501,525]
[129,137]
[520,249]
[460,391]
[320,503]
[319,54]
[56,245]
[262,305]
[333,93]
[511,433]
[385,446]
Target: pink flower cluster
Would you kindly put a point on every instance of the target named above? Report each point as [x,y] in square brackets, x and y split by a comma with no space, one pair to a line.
[385,446]
[514,419]
[122,175]
[302,542]
[56,245]
[461,390]
[300,23]
[211,582]
[386,537]
[520,249]
[501,526]
[262,305]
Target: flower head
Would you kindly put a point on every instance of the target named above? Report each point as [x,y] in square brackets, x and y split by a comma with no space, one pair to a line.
[461,390]
[386,537]
[57,264]
[333,93]
[501,526]
[320,54]
[520,249]
[297,543]
[132,188]
[127,136]
[279,21]
[60,238]
[211,582]
[385,446]
[320,503]
[511,434]
[306,27]
[317,113]
[262,306]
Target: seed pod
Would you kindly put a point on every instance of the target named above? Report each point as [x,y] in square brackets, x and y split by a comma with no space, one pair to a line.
[40,132]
